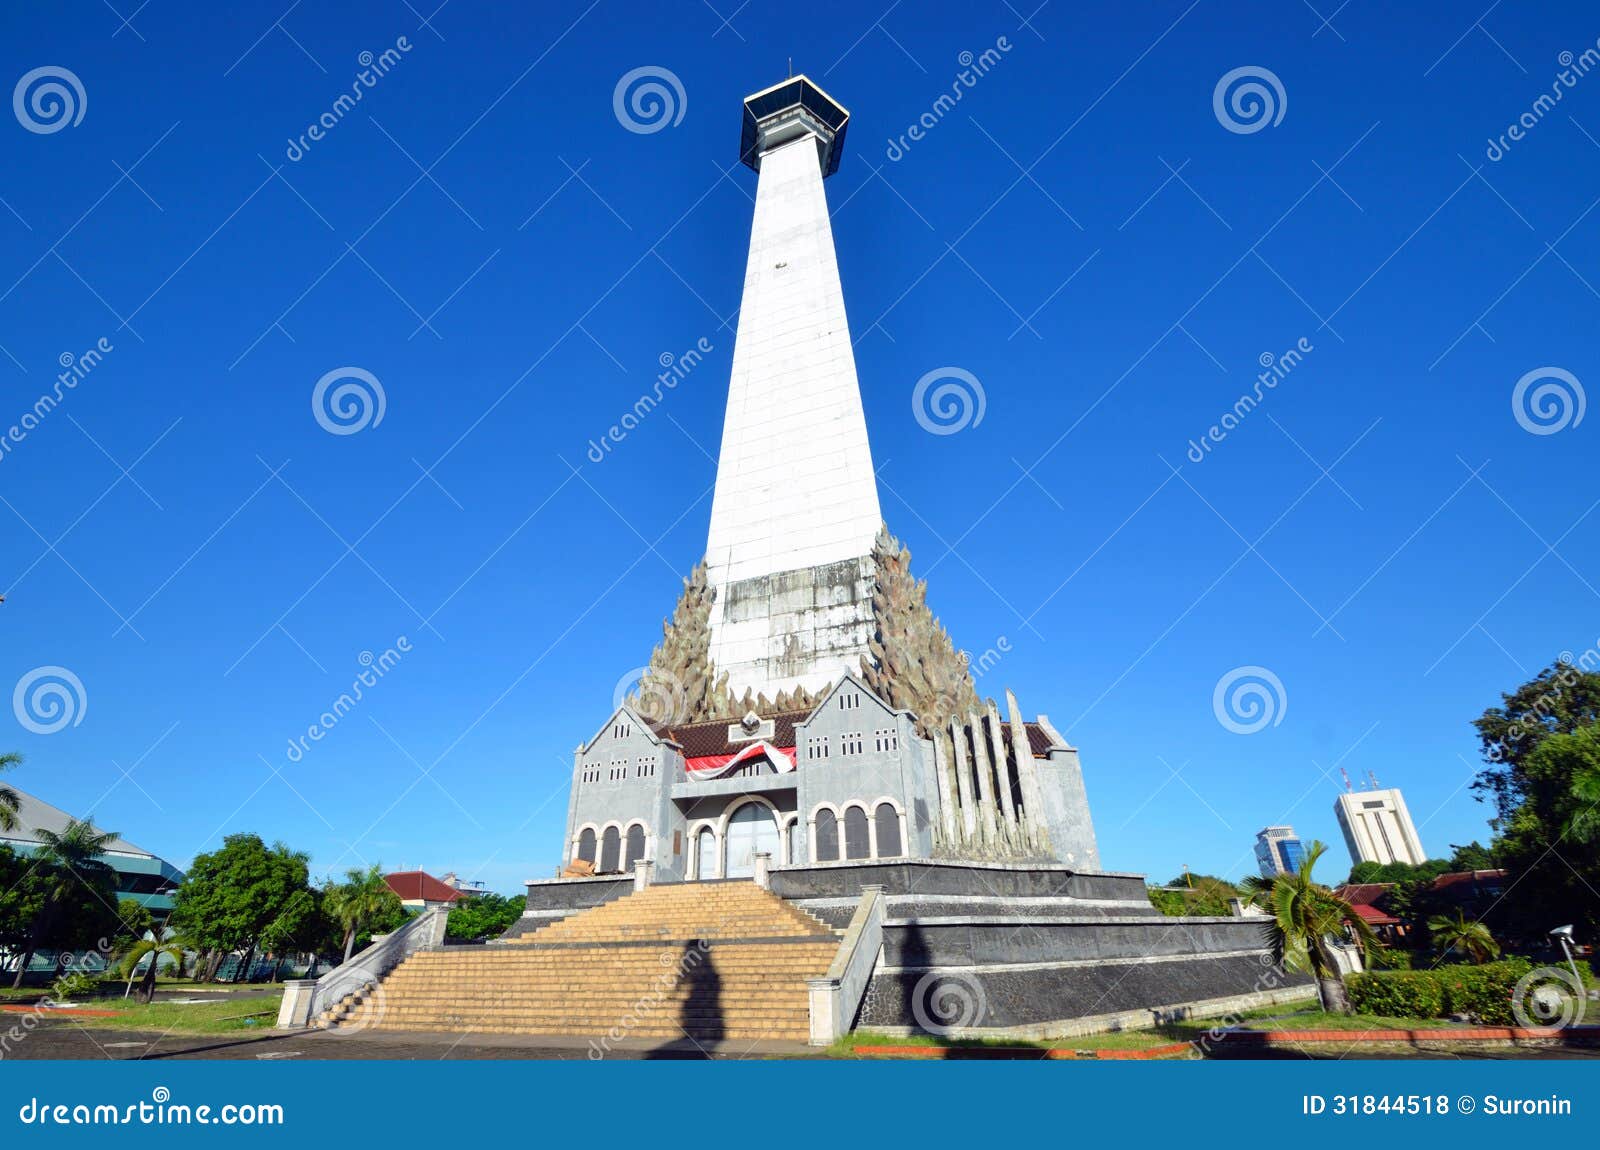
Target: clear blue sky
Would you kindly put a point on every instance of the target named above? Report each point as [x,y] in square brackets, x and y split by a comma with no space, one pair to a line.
[1113,302]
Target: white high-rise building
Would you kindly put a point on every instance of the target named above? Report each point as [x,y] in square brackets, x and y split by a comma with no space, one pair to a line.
[1378,828]
[796,504]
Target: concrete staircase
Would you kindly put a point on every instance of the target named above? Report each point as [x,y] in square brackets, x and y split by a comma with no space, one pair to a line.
[707,961]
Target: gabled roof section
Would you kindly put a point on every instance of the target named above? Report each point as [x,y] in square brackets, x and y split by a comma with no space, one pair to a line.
[412,885]
[651,729]
[854,681]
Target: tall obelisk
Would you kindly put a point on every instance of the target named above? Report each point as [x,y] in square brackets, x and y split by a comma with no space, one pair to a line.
[796,504]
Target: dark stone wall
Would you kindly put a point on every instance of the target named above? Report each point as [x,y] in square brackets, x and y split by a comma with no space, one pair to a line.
[1022,940]
[577,894]
[991,999]
[920,876]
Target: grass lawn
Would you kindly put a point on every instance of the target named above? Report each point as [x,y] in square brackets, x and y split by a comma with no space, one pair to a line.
[220,1017]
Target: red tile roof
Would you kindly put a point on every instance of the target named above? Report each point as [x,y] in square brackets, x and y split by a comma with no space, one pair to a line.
[1373,916]
[1363,893]
[412,885]
[1466,878]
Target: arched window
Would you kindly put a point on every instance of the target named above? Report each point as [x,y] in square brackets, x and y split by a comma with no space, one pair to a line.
[635,846]
[705,853]
[888,820]
[586,845]
[790,839]
[827,836]
[610,850]
[857,844]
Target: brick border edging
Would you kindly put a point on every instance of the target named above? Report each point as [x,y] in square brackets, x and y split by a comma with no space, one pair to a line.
[953,1053]
[1586,1035]
[69,1010]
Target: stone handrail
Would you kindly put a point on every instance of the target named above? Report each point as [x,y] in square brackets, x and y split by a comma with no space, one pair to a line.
[304,1000]
[836,996]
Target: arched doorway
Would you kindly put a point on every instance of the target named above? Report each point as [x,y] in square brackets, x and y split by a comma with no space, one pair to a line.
[635,846]
[611,851]
[751,831]
[705,853]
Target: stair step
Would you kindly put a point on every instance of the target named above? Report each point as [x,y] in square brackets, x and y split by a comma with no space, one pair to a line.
[632,963]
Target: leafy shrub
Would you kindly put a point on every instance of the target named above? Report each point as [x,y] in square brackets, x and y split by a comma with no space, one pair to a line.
[1397,994]
[1390,958]
[1484,991]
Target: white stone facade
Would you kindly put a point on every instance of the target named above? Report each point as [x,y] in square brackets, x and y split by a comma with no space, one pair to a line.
[796,503]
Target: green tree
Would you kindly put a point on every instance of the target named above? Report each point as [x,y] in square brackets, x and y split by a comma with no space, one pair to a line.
[10,800]
[359,901]
[75,889]
[1558,700]
[20,900]
[1461,934]
[1304,917]
[1473,856]
[232,896]
[134,921]
[484,916]
[156,950]
[1551,840]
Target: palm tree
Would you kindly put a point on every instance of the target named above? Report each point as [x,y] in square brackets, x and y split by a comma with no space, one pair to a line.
[155,948]
[10,800]
[1305,917]
[362,897]
[64,863]
[1462,934]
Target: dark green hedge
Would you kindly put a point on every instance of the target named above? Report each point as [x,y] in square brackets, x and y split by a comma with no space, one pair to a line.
[1484,992]
[1397,994]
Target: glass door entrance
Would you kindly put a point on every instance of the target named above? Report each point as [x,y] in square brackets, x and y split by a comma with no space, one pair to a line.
[750,832]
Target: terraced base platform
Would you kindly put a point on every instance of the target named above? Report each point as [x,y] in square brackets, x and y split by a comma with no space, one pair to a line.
[719,960]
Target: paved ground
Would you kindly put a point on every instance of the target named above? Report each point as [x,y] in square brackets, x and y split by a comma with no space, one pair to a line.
[60,1038]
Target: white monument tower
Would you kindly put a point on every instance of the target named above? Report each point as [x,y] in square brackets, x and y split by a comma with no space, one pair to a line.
[796,504]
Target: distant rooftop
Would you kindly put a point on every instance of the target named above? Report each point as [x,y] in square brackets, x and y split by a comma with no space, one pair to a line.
[35,814]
